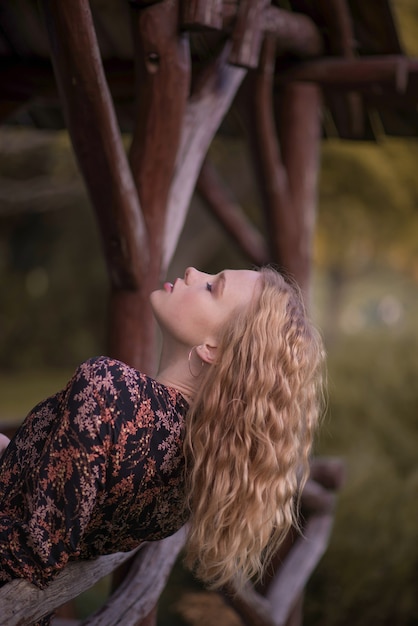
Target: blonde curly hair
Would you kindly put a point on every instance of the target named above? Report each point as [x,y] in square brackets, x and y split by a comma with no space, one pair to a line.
[249,435]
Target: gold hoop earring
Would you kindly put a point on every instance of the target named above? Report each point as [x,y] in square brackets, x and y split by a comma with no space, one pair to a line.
[190,363]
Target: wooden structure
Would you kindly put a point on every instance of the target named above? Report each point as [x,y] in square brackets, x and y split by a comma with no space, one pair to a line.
[169,72]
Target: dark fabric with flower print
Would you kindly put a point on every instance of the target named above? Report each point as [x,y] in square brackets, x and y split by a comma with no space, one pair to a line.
[95,469]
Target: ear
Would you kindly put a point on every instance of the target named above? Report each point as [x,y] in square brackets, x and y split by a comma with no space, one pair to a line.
[207,352]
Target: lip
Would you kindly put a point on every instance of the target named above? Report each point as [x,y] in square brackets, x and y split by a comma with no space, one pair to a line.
[168,287]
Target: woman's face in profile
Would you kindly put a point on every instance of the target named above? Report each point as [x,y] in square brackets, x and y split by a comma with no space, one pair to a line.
[194,308]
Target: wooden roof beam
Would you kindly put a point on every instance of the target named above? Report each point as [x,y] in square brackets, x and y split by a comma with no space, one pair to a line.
[295,33]
[353,73]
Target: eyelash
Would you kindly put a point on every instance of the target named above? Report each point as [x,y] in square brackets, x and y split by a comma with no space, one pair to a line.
[209,287]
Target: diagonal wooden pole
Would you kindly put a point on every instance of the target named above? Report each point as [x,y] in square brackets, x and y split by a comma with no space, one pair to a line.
[103,163]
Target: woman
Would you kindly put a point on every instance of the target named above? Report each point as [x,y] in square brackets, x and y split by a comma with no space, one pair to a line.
[221,438]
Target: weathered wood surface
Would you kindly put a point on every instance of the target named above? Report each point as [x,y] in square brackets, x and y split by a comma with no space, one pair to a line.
[211,98]
[197,14]
[356,73]
[96,138]
[162,84]
[22,603]
[247,33]
[286,161]
[135,599]
[295,571]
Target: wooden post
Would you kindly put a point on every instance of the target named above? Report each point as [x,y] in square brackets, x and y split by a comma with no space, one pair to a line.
[299,121]
[162,87]
[348,108]
[247,34]
[197,14]
[256,104]
[98,146]
[287,171]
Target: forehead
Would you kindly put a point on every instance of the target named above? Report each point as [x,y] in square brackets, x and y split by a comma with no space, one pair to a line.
[241,279]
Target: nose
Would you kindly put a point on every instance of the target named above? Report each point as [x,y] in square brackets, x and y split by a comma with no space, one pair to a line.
[190,275]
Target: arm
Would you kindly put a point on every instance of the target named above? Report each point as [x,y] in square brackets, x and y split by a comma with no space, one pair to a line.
[51,478]
[4,442]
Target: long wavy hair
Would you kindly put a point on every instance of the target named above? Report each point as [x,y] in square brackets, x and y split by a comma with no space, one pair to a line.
[249,434]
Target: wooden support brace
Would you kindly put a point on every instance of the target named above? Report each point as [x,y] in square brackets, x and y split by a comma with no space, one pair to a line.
[198,14]
[162,81]
[247,34]
[230,215]
[211,98]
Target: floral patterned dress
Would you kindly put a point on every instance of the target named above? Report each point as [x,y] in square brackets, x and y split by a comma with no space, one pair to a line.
[95,469]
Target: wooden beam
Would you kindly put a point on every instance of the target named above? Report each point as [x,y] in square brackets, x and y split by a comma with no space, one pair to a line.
[279,599]
[211,98]
[347,109]
[256,104]
[247,33]
[286,172]
[162,80]
[299,129]
[198,14]
[251,606]
[133,603]
[22,603]
[287,587]
[294,32]
[230,215]
[353,73]
[96,139]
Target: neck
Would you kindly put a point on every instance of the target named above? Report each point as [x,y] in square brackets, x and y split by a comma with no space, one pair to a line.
[174,372]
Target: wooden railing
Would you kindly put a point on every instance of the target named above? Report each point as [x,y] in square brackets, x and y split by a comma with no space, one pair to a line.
[135,601]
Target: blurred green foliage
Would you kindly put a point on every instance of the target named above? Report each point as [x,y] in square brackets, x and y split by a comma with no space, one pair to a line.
[369,573]
[52,273]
